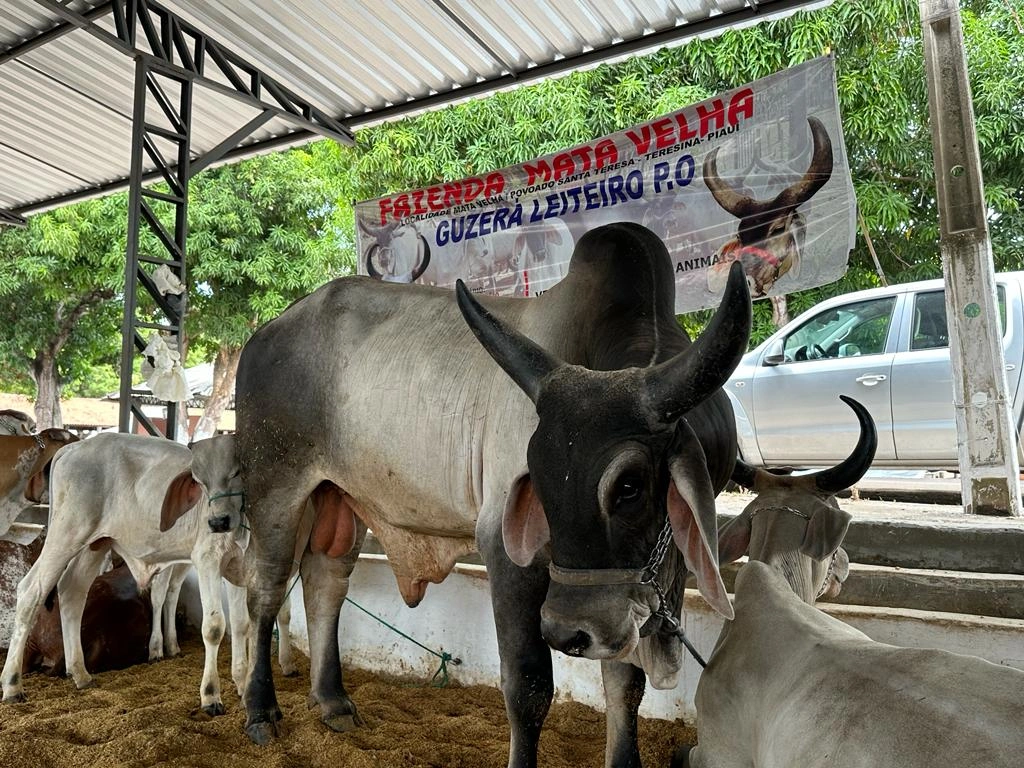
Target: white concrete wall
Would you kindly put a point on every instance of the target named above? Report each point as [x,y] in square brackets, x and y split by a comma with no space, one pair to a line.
[456,616]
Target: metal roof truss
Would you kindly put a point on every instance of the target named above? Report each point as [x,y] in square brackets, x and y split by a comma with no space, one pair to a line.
[190,52]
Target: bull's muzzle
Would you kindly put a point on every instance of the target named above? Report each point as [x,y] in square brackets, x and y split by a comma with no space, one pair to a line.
[220,524]
[566,638]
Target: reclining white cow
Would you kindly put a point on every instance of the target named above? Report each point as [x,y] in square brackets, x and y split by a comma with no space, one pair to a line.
[788,685]
[16,422]
[105,495]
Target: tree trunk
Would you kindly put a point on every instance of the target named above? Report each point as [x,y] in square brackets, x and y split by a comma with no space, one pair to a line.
[48,387]
[224,369]
[780,311]
[44,365]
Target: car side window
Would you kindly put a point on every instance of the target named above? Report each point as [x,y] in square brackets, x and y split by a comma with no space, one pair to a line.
[930,330]
[851,330]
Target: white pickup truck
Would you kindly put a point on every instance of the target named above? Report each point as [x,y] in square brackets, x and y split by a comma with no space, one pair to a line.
[887,348]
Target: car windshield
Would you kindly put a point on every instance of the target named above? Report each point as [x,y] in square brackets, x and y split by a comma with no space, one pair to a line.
[847,331]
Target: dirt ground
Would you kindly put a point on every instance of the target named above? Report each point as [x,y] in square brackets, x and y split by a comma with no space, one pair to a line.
[149,715]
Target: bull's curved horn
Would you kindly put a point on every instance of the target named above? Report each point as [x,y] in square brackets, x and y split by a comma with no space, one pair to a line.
[677,385]
[741,206]
[371,254]
[421,265]
[378,230]
[818,173]
[853,467]
[525,361]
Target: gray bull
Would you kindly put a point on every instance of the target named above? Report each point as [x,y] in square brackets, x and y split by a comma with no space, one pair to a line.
[374,401]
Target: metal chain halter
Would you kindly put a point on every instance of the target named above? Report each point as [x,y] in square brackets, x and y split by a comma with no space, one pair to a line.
[646,576]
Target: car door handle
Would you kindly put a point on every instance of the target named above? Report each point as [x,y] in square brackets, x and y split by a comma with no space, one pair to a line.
[1010,366]
[870,379]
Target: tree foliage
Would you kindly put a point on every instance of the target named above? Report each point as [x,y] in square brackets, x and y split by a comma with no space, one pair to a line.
[260,236]
[58,277]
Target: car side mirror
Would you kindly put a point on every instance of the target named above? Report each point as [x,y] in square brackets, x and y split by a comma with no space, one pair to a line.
[775,354]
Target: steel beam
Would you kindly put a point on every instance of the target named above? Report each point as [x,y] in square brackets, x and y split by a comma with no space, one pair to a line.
[188,52]
[987,442]
[12,219]
[52,34]
[148,90]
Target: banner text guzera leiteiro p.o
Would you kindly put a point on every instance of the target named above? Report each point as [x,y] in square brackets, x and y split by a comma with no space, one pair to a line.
[758,174]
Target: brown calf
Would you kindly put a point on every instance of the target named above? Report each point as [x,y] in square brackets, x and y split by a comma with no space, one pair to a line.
[115,627]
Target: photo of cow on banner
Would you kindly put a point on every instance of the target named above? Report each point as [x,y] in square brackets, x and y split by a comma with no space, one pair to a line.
[757,175]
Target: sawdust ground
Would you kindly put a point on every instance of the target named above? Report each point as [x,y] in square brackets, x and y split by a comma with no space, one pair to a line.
[149,715]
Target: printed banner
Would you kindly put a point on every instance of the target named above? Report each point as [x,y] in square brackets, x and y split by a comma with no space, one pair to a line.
[757,175]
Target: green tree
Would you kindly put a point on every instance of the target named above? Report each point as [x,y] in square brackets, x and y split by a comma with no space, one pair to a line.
[59,282]
[261,235]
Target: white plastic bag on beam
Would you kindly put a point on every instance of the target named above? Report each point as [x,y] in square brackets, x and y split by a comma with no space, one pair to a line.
[165,377]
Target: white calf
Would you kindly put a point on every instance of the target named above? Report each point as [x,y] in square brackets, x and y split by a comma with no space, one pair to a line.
[104,495]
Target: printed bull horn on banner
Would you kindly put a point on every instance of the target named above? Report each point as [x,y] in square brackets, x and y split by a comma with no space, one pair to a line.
[390,250]
[771,232]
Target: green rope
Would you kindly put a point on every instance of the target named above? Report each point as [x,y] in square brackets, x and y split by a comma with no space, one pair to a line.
[445,657]
[298,575]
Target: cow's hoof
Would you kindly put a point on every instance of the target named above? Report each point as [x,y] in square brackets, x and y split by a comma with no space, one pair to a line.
[214,710]
[87,683]
[155,658]
[261,733]
[15,698]
[291,672]
[681,757]
[342,723]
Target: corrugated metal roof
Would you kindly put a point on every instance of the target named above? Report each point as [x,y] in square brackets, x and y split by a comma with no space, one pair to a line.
[66,95]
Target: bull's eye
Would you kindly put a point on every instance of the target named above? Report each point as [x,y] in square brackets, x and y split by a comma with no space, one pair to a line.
[628,489]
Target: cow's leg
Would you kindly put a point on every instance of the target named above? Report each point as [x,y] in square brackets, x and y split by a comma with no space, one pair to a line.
[686,757]
[240,627]
[623,690]
[526,678]
[324,587]
[268,562]
[72,591]
[32,590]
[170,614]
[285,655]
[208,572]
[157,599]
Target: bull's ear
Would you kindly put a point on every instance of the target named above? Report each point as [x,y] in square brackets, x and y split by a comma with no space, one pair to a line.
[36,487]
[182,494]
[825,531]
[734,539]
[691,512]
[39,479]
[524,526]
